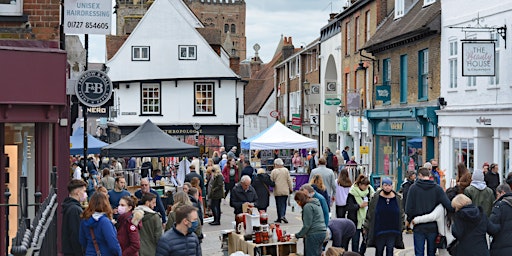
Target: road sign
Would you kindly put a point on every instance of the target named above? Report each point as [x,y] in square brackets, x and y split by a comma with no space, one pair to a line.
[332,101]
[274,113]
[364,150]
[93,88]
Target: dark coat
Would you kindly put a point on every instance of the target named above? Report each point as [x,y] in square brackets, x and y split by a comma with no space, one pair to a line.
[71,210]
[217,191]
[405,191]
[492,180]
[190,175]
[501,219]
[323,193]
[239,197]
[352,208]
[370,221]
[128,234]
[261,184]
[173,242]
[469,228]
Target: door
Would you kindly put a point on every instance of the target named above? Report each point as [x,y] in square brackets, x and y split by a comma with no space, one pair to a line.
[401,160]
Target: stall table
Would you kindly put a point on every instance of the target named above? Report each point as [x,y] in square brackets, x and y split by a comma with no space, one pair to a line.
[300,179]
[236,243]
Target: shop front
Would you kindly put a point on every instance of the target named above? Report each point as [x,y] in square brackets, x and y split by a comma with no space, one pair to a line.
[404,138]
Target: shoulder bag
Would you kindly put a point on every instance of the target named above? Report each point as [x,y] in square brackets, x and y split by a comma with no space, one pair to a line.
[96,247]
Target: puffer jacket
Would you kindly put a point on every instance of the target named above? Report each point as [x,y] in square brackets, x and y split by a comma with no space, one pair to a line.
[281,177]
[104,233]
[128,226]
[469,228]
[502,221]
[174,243]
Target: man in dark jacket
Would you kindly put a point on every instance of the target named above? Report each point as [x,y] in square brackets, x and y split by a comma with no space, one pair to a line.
[344,153]
[181,239]
[492,178]
[424,195]
[145,188]
[243,193]
[329,156]
[247,169]
[71,211]
[501,218]
[193,173]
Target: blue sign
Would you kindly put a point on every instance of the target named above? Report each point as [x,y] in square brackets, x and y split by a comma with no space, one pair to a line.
[383,93]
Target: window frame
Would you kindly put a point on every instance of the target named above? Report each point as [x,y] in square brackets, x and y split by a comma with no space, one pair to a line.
[453,62]
[367,26]
[187,47]
[205,113]
[495,80]
[347,38]
[404,60]
[12,9]
[141,48]
[423,71]
[428,2]
[356,34]
[386,76]
[399,8]
[154,85]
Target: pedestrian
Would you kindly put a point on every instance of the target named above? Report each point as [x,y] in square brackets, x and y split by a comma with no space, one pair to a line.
[180,199]
[98,235]
[308,189]
[128,225]
[107,181]
[342,231]
[181,239]
[283,188]
[360,193]
[216,194]
[151,225]
[464,178]
[93,181]
[341,161]
[216,157]
[469,227]
[195,174]
[410,177]
[352,162]
[313,229]
[492,178]
[71,211]
[193,195]
[158,206]
[318,185]
[436,174]
[223,161]
[501,219]
[243,194]
[345,154]
[77,171]
[424,195]
[384,220]
[331,163]
[343,185]
[232,153]
[296,161]
[312,160]
[195,184]
[117,193]
[261,183]
[479,193]
[247,169]
[443,225]
[230,173]
[328,178]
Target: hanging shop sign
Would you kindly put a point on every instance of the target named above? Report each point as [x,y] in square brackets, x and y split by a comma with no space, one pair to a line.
[87,17]
[332,101]
[383,93]
[94,88]
[478,59]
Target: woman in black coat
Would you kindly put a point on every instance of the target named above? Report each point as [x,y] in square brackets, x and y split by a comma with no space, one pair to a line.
[261,183]
[501,219]
[469,227]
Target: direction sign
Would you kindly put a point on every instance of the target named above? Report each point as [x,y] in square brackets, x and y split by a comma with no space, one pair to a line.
[93,88]
[332,101]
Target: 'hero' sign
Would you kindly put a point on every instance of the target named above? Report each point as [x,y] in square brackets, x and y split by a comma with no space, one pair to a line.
[478,59]
[93,88]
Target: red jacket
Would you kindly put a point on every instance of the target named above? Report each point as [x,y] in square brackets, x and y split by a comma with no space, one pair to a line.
[225,173]
[128,234]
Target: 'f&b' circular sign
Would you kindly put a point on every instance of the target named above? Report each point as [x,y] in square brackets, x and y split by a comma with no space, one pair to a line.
[93,88]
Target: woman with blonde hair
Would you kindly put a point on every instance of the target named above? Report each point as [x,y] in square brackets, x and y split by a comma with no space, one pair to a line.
[318,185]
[180,199]
[216,193]
[97,233]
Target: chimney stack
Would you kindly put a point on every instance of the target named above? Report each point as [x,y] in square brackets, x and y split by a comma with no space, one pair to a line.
[288,48]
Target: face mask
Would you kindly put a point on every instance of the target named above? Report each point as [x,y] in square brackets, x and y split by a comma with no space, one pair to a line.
[312,195]
[121,209]
[86,175]
[83,197]
[194,226]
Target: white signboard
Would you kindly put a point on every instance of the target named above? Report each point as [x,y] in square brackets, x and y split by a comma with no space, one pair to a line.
[478,59]
[88,17]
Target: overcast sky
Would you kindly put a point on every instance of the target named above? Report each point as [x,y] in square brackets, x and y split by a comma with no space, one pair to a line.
[266,21]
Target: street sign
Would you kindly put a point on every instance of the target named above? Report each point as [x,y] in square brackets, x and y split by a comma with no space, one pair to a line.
[274,113]
[332,101]
[364,150]
[94,88]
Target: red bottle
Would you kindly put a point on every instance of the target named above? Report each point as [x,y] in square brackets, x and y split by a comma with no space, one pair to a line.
[279,232]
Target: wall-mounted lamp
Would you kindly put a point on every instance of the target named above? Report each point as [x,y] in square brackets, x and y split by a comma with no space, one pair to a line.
[441,102]
[127,86]
[360,66]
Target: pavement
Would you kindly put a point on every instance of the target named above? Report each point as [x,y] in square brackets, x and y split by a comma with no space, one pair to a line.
[211,245]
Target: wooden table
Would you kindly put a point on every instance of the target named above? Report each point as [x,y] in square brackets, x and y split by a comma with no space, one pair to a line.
[236,243]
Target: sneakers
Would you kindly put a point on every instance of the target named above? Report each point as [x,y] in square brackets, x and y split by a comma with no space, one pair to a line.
[214,223]
[284,220]
[277,221]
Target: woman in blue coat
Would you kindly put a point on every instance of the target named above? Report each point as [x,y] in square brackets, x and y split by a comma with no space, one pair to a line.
[97,220]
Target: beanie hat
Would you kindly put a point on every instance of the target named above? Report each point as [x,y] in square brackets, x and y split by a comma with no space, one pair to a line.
[387,181]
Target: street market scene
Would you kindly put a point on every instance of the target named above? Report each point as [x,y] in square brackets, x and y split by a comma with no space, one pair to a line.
[258,127]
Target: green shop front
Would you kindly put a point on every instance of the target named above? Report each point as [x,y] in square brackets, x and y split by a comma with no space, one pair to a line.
[404,140]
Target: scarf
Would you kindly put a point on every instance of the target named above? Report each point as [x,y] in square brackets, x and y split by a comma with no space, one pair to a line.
[359,195]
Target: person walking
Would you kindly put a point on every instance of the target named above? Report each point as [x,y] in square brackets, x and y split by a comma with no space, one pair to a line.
[479,193]
[151,230]
[313,229]
[327,177]
[261,183]
[384,220]
[501,218]
[331,162]
[193,195]
[71,211]
[359,196]
[443,225]
[312,160]
[107,181]
[283,188]
[469,227]
[98,235]
[128,225]
[230,173]
[343,185]
[216,194]
[345,154]
[181,239]
[424,195]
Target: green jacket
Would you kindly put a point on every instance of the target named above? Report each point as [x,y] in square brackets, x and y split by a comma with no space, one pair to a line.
[369,222]
[312,218]
[150,232]
[484,198]
[217,191]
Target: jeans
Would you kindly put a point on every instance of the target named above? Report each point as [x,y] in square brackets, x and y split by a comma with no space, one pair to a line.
[215,205]
[386,240]
[419,243]
[281,206]
[313,244]
[361,249]
[341,211]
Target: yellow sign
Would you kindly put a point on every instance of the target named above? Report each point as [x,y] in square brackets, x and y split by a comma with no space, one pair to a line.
[364,150]
[70,145]
[387,150]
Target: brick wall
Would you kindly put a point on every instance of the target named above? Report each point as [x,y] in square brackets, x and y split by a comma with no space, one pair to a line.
[41,22]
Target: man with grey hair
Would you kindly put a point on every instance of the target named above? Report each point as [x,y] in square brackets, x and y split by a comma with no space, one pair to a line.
[328,179]
[313,194]
[283,188]
[145,188]
[243,193]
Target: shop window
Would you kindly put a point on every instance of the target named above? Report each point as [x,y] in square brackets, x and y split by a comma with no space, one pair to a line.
[423,74]
[140,53]
[11,7]
[204,98]
[188,52]
[384,154]
[463,149]
[150,99]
